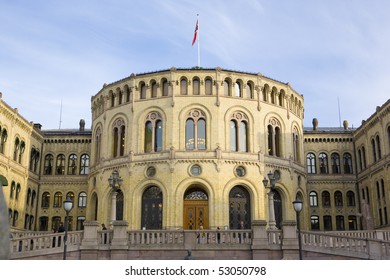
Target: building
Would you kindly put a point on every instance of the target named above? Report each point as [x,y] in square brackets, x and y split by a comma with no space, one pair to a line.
[190,148]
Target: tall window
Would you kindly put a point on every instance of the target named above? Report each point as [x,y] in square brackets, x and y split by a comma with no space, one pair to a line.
[311,163]
[142,88]
[323,160]
[98,143]
[274,137]
[378,146]
[237,89]
[338,199]
[165,87]
[154,89]
[34,159]
[313,198]
[112,98]
[72,164]
[327,222]
[360,159]
[3,139]
[16,148]
[351,198]
[373,149]
[296,144]
[195,86]
[84,164]
[183,86]
[48,166]
[239,132]
[82,201]
[118,145]
[364,157]
[208,86]
[347,163]
[315,222]
[227,87]
[249,91]
[153,133]
[152,208]
[196,130]
[335,161]
[60,165]
[340,222]
[57,200]
[325,199]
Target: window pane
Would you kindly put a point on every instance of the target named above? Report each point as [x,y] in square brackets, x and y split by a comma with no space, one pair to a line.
[196,87]
[201,145]
[209,87]
[158,140]
[190,143]
[233,136]
[242,137]
[148,137]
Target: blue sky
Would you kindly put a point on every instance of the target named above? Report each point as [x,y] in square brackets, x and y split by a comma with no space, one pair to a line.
[330,51]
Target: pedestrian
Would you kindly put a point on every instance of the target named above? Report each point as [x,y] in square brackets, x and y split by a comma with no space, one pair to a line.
[61,228]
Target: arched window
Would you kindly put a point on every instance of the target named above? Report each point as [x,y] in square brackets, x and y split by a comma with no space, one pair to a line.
[335,162]
[196,130]
[373,149]
[153,133]
[165,87]
[48,166]
[84,164]
[249,91]
[296,146]
[12,190]
[325,199]
[28,196]
[45,200]
[154,89]
[98,143]
[142,88]
[72,164]
[60,165]
[21,151]
[152,208]
[227,87]
[208,86]
[265,93]
[340,222]
[351,198]
[195,86]
[338,199]
[33,196]
[274,137]
[327,222]
[118,145]
[281,98]
[273,95]
[57,200]
[315,222]
[239,132]
[237,89]
[352,222]
[3,139]
[311,163]
[347,163]
[323,160]
[378,147]
[82,201]
[18,188]
[313,197]
[16,148]
[183,86]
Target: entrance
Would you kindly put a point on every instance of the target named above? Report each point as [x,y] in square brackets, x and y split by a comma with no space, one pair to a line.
[196,209]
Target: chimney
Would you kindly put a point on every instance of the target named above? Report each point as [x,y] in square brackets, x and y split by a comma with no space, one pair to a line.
[315,124]
[82,125]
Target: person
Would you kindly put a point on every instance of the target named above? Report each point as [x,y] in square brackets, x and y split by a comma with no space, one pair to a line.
[104,227]
[241,226]
[61,228]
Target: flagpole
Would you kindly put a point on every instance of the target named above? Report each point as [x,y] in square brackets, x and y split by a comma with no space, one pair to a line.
[197,18]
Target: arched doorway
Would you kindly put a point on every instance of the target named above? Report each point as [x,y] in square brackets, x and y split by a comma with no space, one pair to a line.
[239,208]
[152,206]
[196,208]
[278,209]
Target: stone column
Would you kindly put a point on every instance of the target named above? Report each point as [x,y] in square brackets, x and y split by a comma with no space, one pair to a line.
[271,209]
[4,226]
[290,246]
[119,243]
[113,206]
[90,244]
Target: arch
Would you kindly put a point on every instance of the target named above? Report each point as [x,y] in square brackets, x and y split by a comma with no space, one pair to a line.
[152,208]
[239,207]
[195,208]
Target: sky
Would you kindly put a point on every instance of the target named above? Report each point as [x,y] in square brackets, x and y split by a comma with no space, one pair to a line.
[56,55]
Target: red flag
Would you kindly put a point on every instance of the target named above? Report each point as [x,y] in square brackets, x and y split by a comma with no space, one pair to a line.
[195,33]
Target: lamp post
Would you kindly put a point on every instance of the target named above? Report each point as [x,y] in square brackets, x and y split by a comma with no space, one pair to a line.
[271,209]
[115,182]
[68,205]
[298,208]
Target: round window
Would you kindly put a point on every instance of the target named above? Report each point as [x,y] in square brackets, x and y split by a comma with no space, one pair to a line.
[196,170]
[240,171]
[151,171]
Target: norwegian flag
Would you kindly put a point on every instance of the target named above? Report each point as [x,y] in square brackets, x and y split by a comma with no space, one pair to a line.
[195,33]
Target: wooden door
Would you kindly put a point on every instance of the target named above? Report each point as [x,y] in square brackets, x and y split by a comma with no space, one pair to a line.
[196,213]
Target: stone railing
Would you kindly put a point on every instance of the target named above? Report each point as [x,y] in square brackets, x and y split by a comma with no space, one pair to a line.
[370,234]
[347,244]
